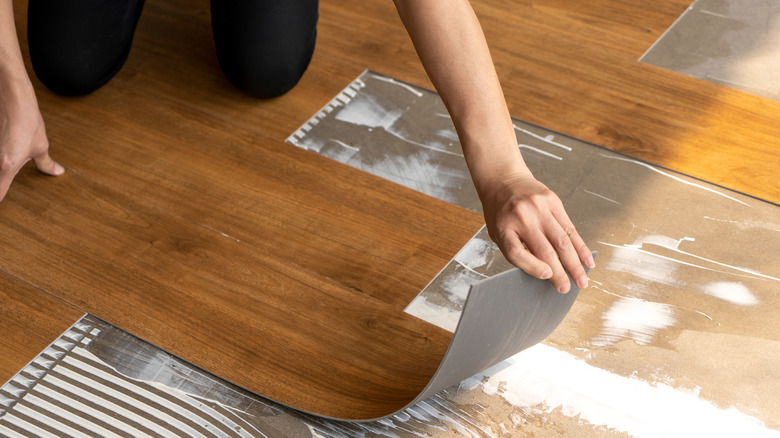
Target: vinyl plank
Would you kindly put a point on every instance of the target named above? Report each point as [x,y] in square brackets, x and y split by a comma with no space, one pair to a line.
[357,229]
[208,239]
[245,315]
[30,320]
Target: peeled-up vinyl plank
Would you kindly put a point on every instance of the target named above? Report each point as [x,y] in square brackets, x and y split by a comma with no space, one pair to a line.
[260,322]
[30,320]
[244,315]
[528,310]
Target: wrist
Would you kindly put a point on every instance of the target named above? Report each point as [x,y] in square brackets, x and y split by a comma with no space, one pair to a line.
[497,167]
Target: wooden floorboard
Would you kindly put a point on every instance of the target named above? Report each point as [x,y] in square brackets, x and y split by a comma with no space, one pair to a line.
[30,320]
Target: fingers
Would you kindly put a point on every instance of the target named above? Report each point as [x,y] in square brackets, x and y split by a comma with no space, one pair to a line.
[571,248]
[569,260]
[549,248]
[517,254]
[557,255]
[530,225]
[5,183]
[48,166]
[535,255]
[584,253]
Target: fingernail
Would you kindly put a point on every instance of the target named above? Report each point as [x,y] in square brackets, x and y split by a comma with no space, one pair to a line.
[547,274]
[582,282]
[563,289]
[591,262]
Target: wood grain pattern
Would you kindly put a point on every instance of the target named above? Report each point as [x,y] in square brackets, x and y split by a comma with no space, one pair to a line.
[187,221]
[30,320]
[566,66]
[256,320]
[273,267]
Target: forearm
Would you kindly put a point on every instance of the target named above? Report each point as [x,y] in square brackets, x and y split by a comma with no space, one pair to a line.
[22,131]
[15,84]
[453,50]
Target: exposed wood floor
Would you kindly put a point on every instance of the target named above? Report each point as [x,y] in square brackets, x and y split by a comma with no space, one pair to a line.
[186,220]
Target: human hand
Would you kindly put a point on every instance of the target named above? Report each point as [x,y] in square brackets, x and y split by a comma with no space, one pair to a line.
[23,138]
[530,226]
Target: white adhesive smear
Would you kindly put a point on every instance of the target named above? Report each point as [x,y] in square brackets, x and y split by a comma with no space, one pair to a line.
[678,179]
[367,112]
[629,259]
[475,253]
[542,377]
[734,293]
[440,316]
[641,265]
[634,318]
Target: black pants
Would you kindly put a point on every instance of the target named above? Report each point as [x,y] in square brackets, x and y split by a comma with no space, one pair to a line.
[263,46]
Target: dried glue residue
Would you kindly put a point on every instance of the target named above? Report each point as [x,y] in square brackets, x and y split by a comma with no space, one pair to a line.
[643,265]
[544,379]
[476,253]
[634,318]
[735,293]
[367,112]
[636,257]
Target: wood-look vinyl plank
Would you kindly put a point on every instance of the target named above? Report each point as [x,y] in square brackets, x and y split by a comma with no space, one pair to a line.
[253,319]
[692,126]
[30,320]
[357,229]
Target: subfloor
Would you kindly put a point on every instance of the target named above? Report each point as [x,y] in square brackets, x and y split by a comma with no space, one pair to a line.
[182,194]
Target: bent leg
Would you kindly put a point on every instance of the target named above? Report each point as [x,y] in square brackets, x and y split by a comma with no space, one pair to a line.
[264,46]
[76,46]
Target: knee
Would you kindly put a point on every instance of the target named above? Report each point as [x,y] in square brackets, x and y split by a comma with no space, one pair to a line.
[263,76]
[76,47]
[69,77]
[264,47]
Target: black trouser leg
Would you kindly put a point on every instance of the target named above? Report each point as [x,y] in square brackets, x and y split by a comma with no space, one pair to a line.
[264,46]
[76,46]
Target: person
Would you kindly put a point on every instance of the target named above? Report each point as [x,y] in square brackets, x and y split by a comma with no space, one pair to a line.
[264,47]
